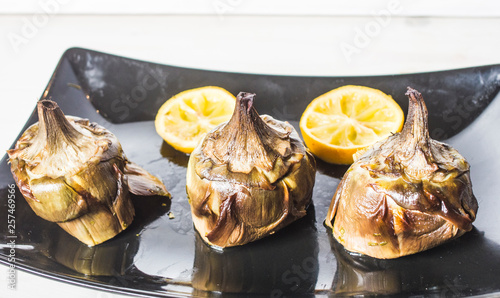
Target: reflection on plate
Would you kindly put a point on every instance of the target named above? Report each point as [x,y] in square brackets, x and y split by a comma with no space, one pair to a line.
[160,253]
[252,268]
[451,273]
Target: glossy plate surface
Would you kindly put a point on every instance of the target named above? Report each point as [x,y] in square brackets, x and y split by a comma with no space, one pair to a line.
[163,256]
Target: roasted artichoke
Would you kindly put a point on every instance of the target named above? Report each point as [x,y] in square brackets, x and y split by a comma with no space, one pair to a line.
[403,195]
[74,173]
[248,178]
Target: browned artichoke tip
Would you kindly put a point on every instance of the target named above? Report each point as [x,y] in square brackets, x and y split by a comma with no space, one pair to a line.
[248,178]
[74,173]
[405,194]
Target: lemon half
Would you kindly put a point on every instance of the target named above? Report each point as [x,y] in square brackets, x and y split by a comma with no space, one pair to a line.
[337,124]
[184,119]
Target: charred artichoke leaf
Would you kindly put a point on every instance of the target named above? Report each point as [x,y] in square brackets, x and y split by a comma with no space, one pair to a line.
[75,173]
[142,183]
[248,177]
[405,194]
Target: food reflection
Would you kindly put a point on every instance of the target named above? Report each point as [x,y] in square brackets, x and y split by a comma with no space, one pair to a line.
[453,269]
[282,265]
[112,258]
[109,259]
[362,275]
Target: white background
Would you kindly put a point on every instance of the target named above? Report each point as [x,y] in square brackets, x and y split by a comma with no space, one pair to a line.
[259,36]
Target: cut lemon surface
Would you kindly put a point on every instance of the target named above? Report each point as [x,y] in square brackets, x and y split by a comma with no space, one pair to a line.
[337,124]
[184,119]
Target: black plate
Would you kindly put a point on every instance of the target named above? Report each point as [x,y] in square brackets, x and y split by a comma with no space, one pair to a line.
[159,256]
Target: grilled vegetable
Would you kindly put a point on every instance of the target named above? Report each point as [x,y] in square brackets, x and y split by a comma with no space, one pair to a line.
[74,173]
[248,178]
[405,194]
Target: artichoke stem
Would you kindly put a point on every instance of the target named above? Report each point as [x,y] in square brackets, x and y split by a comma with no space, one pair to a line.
[414,139]
[54,129]
[247,141]
[416,130]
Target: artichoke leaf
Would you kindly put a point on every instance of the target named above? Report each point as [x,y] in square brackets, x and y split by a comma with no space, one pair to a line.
[142,183]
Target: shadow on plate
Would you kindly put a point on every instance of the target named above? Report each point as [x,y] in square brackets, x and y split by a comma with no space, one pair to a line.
[331,170]
[177,157]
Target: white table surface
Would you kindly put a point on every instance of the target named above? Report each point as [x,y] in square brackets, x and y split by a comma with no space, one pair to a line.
[306,43]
